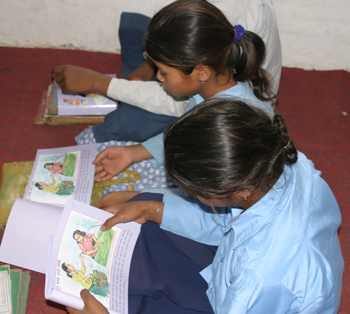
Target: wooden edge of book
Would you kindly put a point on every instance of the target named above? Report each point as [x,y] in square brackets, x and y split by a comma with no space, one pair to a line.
[40,113]
[43,117]
[51,104]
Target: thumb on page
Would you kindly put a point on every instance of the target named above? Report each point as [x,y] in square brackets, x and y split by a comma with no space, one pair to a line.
[91,305]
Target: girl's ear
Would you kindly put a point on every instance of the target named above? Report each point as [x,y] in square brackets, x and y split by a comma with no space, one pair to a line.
[203,71]
[245,194]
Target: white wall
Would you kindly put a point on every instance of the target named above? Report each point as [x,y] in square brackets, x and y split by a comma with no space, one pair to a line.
[315,34]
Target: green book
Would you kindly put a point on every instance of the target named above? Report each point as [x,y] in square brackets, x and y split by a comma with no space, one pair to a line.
[5,268]
[15,275]
[23,295]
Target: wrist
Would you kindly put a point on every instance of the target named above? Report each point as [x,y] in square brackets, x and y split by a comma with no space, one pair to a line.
[101,83]
[155,212]
[138,153]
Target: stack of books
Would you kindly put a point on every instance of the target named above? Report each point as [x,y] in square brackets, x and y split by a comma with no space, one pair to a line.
[13,290]
[57,108]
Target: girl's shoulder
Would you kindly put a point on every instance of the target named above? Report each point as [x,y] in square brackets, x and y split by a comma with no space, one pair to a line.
[244,91]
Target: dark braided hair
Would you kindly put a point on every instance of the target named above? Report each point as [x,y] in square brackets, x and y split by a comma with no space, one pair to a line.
[223,146]
[187,33]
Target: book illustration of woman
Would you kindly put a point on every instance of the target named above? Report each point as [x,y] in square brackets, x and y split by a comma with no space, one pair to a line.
[56,167]
[87,242]
[95,243]
[65,187]
[64,165]
[83,102]
[95,281]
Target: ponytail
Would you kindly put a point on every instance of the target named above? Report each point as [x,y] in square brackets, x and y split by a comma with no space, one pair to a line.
[251,54]
[289,152]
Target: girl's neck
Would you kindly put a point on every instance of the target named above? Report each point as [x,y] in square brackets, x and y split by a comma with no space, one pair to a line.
[216,84]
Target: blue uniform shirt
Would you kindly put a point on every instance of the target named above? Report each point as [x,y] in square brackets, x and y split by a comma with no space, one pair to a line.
[282,255]
[242,90]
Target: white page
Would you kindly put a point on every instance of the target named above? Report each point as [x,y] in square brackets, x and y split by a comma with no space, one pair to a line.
[27,232]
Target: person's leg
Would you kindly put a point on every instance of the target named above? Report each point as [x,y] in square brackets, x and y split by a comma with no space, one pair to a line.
[164,272]
[131,29]
[130,123]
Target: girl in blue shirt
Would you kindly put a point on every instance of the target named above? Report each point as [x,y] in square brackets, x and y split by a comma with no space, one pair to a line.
[276,231]
[248,191]
[199,55]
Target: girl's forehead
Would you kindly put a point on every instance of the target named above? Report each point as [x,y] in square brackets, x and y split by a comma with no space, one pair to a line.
[160,65]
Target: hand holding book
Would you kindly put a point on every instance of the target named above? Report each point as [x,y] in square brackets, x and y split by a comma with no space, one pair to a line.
[75,80]
[138,211]
[118,197]
[91,305]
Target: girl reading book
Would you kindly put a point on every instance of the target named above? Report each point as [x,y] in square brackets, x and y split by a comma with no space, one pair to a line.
[199,55]
[130,123]
[246,190]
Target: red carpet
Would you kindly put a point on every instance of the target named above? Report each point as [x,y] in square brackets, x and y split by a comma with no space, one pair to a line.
[314,103]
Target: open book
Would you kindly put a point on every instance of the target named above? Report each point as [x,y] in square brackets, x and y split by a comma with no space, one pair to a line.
[76,104]
[68,246]
[62,173]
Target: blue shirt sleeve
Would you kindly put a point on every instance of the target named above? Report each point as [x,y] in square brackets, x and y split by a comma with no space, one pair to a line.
[156,148]
[155,145]
[188,217]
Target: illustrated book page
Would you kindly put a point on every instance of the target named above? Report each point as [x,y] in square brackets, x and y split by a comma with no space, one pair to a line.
[42,238]
[76,104]
[83,256]
[62,173]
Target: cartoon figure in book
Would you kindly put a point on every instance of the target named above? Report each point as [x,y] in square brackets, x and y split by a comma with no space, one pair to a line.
[86,242]
[54,178]
[65,167]
[80,102]
[88,254]
[95,243]
[56,167]
[96,281]
[65,187]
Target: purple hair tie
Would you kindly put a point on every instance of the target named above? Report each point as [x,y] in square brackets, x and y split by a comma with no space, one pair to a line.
[239,33]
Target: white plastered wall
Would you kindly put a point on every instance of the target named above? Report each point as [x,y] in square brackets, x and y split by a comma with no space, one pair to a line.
[315,34]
